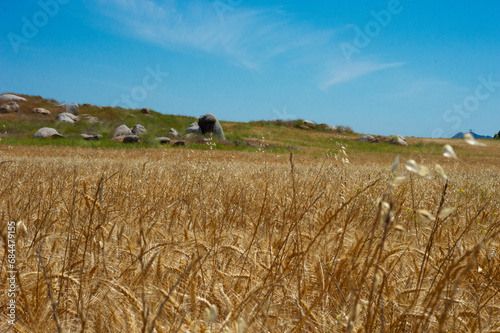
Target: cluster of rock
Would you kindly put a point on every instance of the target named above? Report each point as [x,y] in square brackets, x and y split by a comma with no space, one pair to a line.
[394,139]
[126,135]
[10,105]
[206,124]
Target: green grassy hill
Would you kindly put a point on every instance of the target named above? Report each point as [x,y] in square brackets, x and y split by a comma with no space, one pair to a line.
[18,128]
[275,136]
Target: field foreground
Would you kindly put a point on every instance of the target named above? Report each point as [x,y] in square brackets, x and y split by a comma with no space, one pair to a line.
[227,241]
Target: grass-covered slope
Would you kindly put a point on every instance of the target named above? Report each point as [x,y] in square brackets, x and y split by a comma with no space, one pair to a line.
[276,136]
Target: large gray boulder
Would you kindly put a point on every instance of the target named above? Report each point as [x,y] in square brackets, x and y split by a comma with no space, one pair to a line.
[71,107]
[66,117]
[397,139]
[46,132]
[194,128]
[42,111]
[12,97]
[9,107]
[139,129]
[122,131]
[209,124]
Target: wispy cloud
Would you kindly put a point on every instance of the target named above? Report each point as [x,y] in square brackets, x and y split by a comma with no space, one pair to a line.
[248,37]
[347,72]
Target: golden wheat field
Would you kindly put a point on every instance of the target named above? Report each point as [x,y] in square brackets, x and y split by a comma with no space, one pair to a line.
[165,240]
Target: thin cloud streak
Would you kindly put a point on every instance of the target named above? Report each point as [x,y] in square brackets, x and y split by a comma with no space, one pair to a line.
[352,71]
[250,38]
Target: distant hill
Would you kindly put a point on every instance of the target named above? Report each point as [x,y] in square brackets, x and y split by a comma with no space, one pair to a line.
[19,126]
[460,135]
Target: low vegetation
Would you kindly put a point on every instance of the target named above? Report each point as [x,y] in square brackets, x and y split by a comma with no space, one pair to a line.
[277,135]
[177,240]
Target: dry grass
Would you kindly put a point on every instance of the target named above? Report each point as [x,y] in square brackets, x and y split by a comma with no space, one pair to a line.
[213,241]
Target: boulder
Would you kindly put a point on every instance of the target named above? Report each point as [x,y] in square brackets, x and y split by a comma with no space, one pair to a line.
[367,138]
[163,140]
[90,119]
[145,111]
[309,123]
[122,131]
[180,143]
[9,107]
[139,129]
[91,137]
[332,128]
[173,133]
[397,139]
[66,117]
[42,111]
[194,128]
[130,139]
[71,107]
[46,132]
[209,124]
[12,97]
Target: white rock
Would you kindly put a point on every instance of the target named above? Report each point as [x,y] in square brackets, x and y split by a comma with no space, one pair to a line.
[122,130]
[367,138]
[139,129]
[397,139]
[67,117]
[42,111]
[12,97]
[194,128]
[9,107]
[46,132]
[309,123]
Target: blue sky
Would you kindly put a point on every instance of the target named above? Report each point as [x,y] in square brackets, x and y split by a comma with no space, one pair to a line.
[415,68]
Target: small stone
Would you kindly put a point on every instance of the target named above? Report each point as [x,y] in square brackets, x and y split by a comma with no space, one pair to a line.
[130,139]
[42,111]
[90,119]
[139,129]
[122,130]
[71,107]
[367,138]
[163,140]
[66,117]
[309,123]
[173,133]
[180,143]
[91,137]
